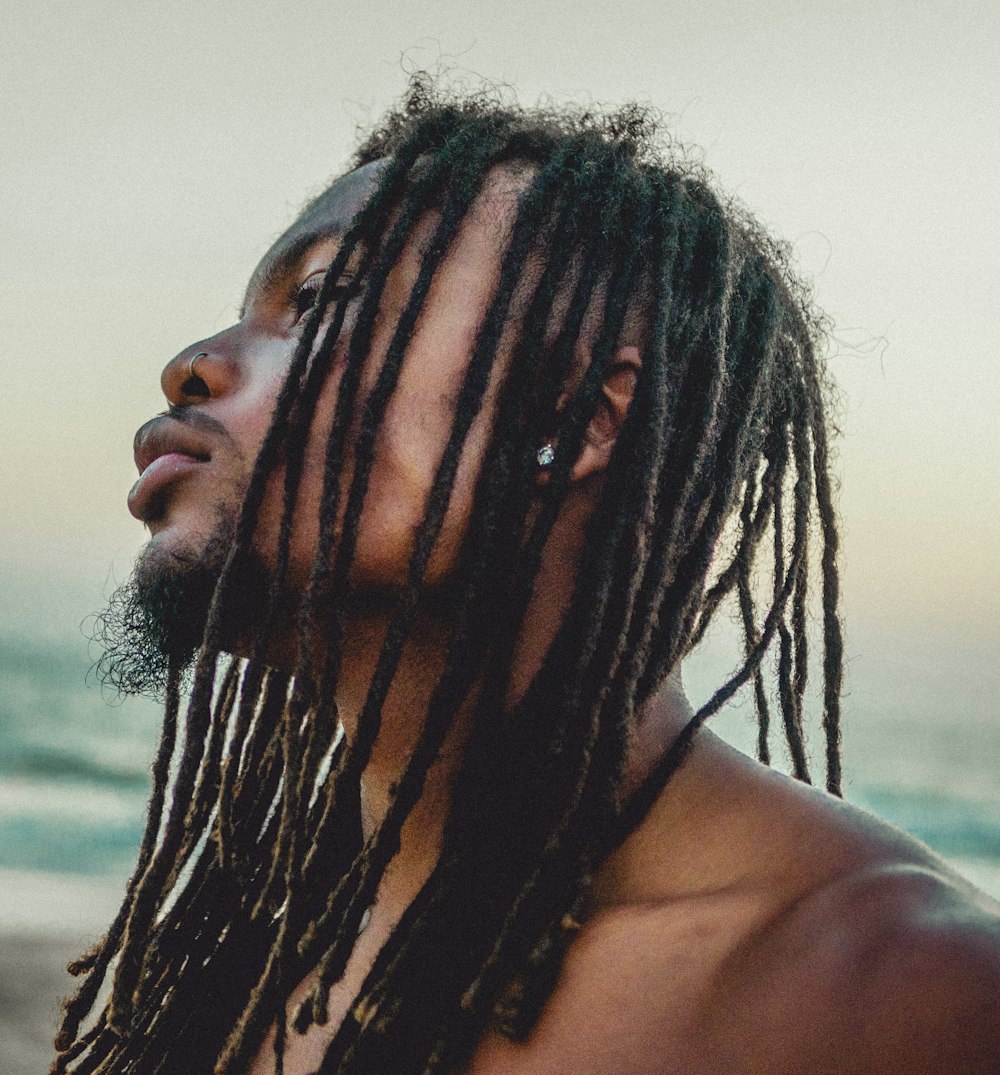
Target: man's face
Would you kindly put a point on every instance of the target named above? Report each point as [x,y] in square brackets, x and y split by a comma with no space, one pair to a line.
[195,462]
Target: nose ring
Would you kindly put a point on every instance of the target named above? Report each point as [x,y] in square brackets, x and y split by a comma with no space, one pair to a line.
[192,360]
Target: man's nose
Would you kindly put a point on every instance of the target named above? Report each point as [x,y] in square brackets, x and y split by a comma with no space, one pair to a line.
[199,372]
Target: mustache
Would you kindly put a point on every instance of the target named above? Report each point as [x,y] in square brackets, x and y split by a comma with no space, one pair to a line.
[190,415]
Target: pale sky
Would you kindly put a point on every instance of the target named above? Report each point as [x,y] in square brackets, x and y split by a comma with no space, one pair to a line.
[152,151]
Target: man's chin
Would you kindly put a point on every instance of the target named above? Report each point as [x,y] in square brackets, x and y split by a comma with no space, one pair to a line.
[159,616]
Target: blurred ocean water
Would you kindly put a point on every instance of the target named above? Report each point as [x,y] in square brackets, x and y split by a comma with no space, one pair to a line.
[73,768]
[74,781]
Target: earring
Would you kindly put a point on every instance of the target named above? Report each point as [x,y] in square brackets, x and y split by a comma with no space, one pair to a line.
[545,456]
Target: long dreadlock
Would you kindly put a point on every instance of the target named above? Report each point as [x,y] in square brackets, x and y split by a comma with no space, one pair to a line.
[260,872]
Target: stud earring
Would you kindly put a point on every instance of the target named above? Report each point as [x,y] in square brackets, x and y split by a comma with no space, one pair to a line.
[545,456]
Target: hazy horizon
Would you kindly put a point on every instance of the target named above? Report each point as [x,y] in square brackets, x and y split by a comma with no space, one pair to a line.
[152,153]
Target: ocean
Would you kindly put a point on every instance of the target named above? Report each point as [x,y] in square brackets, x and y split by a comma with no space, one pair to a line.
[74,781]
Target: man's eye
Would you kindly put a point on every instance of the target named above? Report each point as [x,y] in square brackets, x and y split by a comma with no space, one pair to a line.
[306,295]
[308,291]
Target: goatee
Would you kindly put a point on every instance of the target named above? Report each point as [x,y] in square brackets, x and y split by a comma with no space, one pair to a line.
[156,618]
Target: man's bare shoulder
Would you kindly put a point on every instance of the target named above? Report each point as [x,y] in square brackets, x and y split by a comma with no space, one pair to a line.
[819,939]
[893,969]
[931,974]
[883,961]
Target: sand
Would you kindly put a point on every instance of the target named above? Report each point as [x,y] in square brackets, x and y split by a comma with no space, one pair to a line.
[45,921]
[33,978]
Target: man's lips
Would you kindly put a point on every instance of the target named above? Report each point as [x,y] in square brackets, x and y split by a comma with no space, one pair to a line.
[165,449]
[163,470]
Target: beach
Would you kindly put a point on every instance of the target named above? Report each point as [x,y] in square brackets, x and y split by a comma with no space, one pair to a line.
[32,979]
[45,921]
[74,783]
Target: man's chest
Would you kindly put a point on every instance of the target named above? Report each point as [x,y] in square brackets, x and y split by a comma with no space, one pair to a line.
[619,1006]
[632,997]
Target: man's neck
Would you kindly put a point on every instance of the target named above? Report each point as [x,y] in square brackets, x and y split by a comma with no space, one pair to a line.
[657,725]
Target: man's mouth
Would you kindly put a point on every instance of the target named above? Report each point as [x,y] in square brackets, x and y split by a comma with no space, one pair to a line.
[144,497]
[165,450]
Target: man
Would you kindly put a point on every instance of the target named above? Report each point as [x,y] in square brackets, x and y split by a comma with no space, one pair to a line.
[508,411]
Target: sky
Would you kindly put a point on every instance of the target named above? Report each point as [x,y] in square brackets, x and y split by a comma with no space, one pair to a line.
[153,151]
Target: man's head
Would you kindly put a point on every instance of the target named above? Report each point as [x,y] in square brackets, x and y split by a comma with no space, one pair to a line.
[195,460]
[365,440]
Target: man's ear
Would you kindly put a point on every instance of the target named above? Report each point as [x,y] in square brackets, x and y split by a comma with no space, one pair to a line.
[616,396]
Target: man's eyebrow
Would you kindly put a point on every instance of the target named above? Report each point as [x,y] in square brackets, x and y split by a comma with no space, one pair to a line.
[272,269]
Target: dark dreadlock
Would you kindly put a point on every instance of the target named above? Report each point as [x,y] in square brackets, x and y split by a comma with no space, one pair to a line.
[264,874]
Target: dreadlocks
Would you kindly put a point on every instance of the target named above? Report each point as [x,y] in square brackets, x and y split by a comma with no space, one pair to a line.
[254,869]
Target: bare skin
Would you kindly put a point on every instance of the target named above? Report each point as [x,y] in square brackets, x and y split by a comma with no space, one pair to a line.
[749,924]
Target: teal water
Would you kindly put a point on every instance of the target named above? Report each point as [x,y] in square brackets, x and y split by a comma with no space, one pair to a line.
[73,768]
[74,772]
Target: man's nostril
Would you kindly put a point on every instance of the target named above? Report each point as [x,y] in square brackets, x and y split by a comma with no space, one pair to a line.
[195,386]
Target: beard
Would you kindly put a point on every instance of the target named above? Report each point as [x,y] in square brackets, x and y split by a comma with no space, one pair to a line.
[158,617]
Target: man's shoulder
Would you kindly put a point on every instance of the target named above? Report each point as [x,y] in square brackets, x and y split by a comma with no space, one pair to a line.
[890,967]
[826,940]
[861,950]
[931,970]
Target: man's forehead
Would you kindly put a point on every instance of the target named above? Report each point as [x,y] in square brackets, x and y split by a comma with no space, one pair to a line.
[330,215]
[327,217]
[336,207]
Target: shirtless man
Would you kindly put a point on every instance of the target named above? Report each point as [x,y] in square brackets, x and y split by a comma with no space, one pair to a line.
[507,411]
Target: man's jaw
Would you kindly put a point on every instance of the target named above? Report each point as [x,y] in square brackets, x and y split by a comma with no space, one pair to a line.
[159,615]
